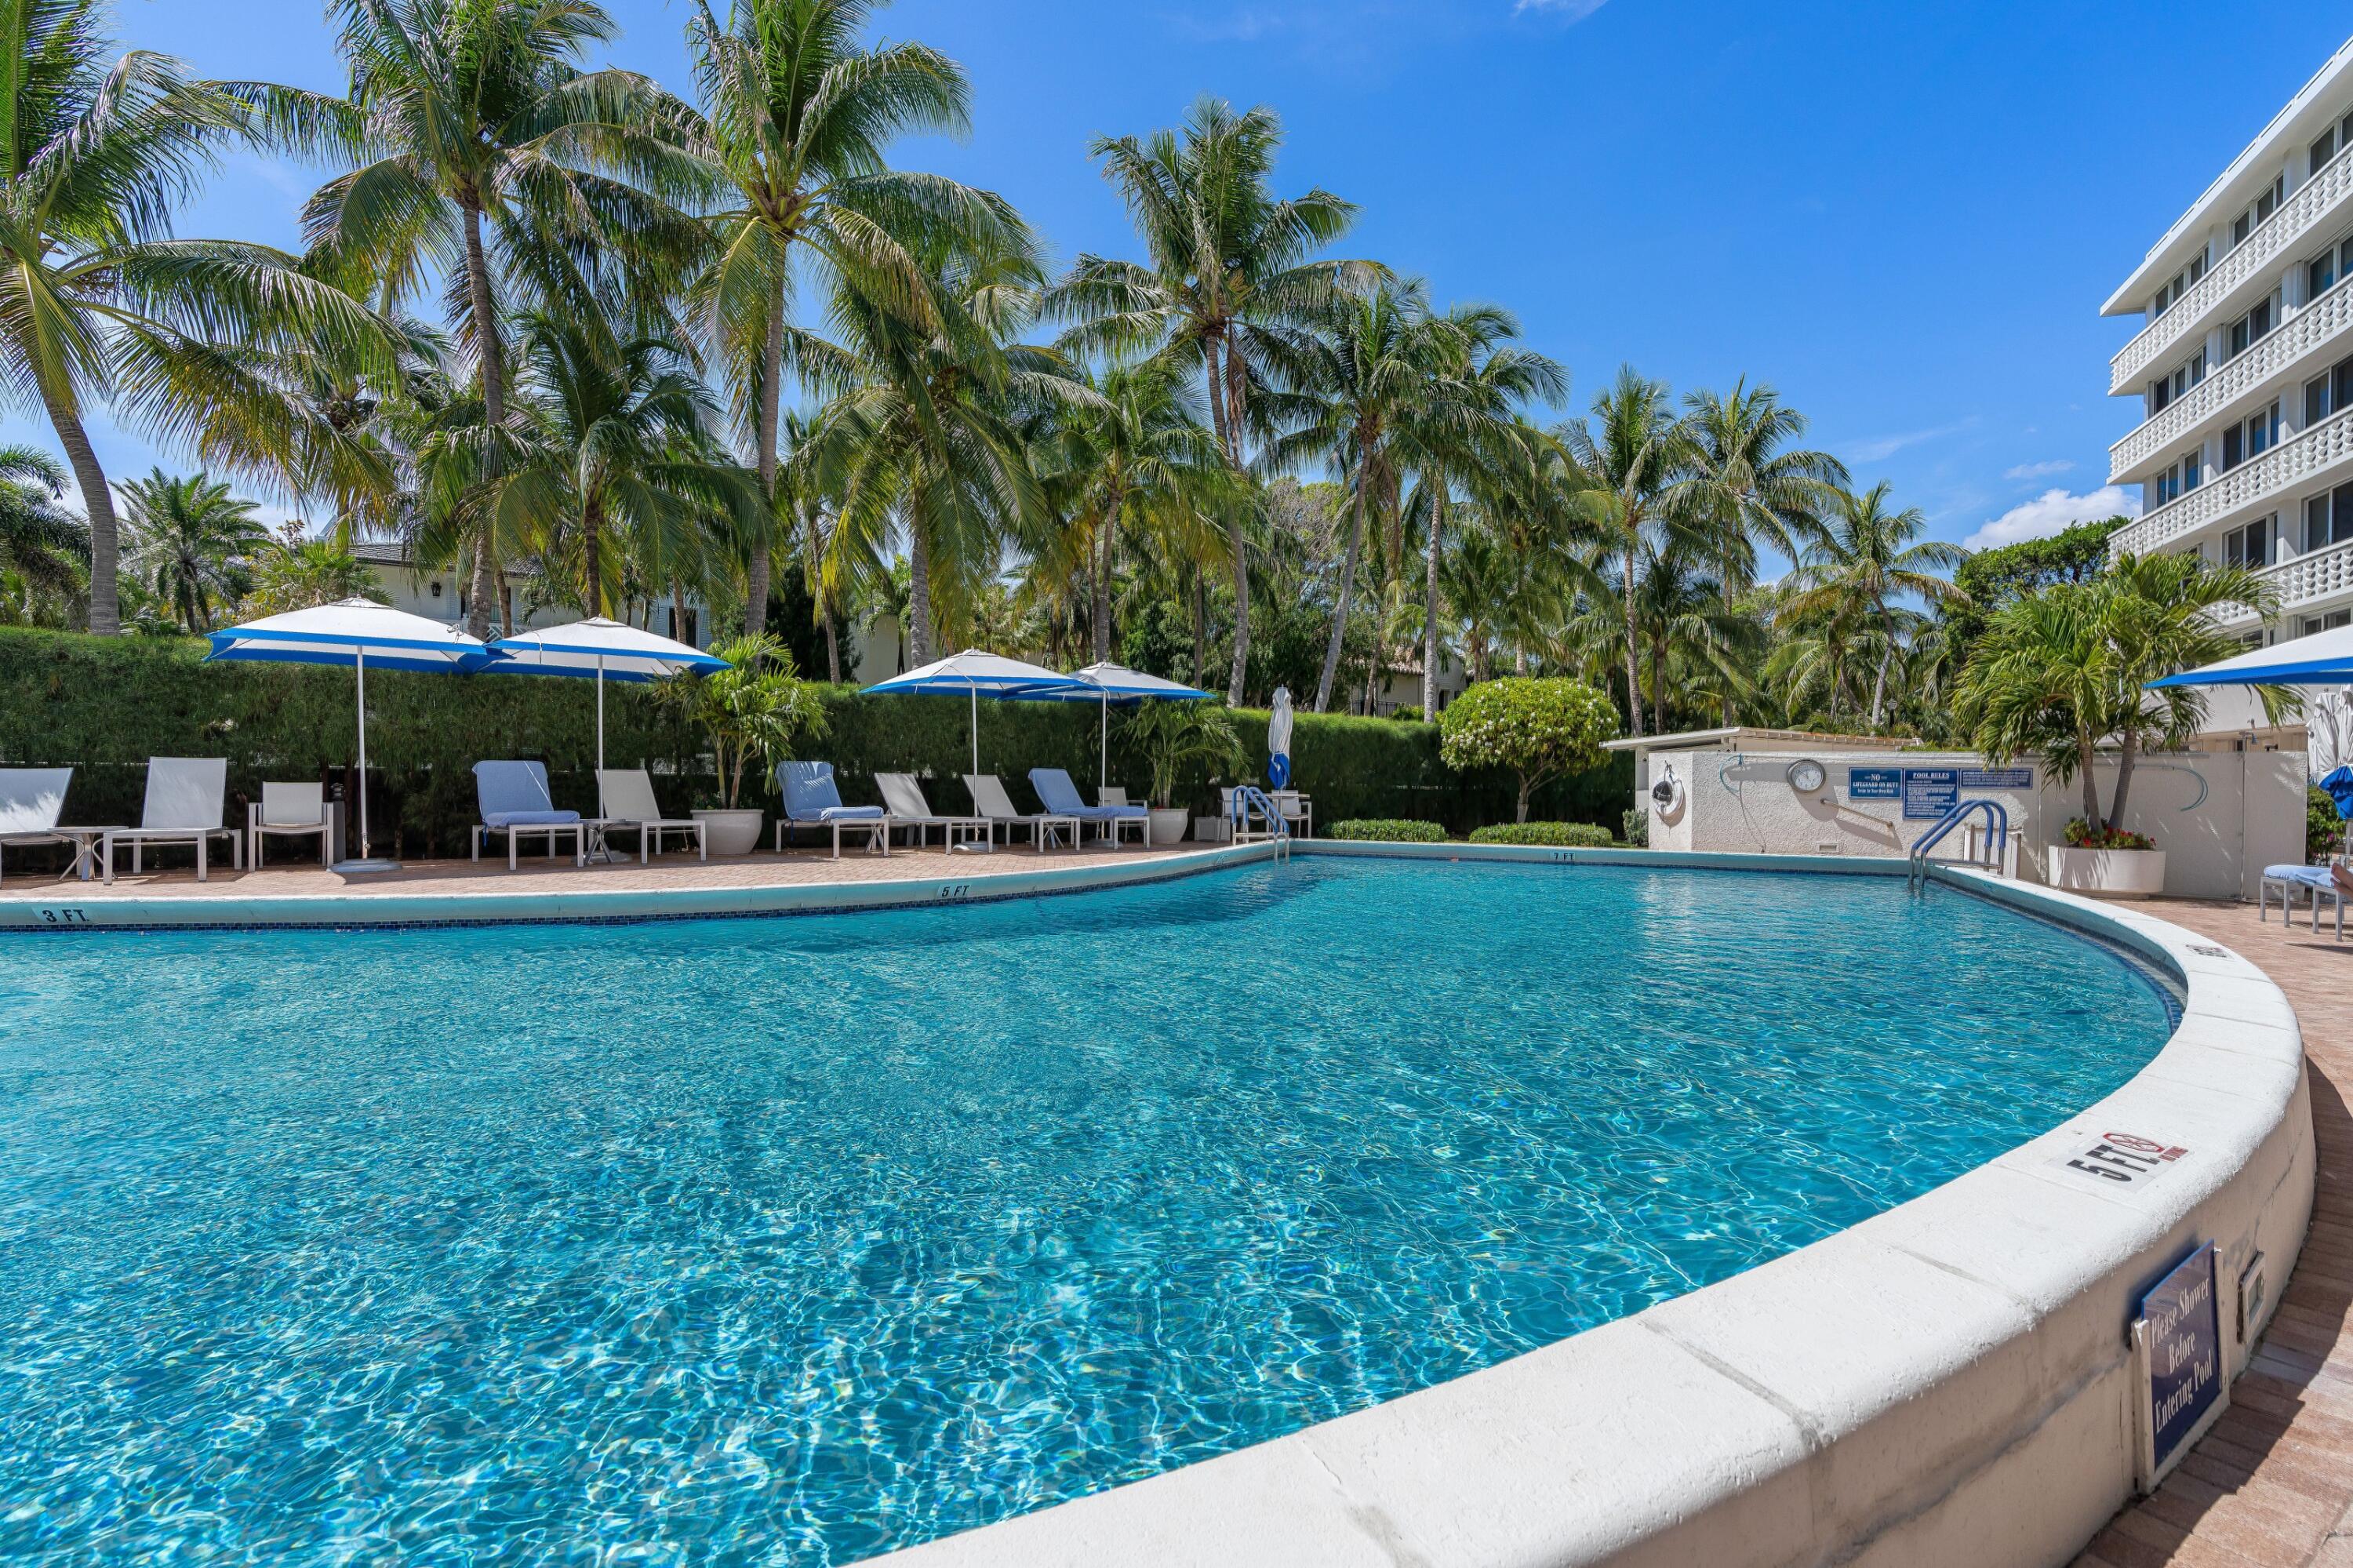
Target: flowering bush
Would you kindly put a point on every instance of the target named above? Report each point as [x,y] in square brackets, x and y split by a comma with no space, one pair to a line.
[1539,728]
[2081,836]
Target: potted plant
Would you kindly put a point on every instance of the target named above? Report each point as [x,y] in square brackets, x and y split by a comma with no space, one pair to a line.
[2065,671]
[752,712]
[1170,736]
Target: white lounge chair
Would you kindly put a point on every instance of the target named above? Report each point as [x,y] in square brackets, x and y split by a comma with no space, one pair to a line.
[293,810]
[812,799]
[186,799]
[514,801]
[628,798]
[902,797]
[989,798]
[2315,882]
[31,801]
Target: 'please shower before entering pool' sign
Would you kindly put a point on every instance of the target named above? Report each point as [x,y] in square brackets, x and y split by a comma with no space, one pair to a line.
[2178,1338]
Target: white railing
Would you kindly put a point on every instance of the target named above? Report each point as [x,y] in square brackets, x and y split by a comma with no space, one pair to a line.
[2315,201]
[2301,334]
[2323,574]
[2246,488]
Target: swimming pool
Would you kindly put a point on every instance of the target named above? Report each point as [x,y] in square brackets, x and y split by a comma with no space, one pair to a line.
[802,1239]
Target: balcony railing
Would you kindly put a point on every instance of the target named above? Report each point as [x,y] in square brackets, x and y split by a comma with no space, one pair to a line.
[2301,334]
[2257,483]
[2323,574]
[2314,202]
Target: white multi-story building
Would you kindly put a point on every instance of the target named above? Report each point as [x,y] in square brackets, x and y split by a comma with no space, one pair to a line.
[2243,366]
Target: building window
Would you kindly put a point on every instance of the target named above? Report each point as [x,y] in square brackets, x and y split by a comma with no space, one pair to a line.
[2181,283]
[2250,545]
[2328,269]
[2251,438]
[2329,622]
[2262,207]
[2323,150]
[2250,329]
[682,625]
[2178,479]
[2329,517]
[2164,389]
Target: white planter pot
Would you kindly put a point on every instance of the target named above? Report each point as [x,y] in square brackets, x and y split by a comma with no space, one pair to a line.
[1168,826]
[735,831]
[2108,873]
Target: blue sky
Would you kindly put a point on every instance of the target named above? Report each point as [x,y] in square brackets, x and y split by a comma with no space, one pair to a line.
[1903,217]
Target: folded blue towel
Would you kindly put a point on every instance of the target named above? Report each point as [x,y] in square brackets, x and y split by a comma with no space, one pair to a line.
[2303,875]
[842,814]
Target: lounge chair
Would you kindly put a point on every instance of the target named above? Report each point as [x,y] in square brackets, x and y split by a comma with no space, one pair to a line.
[2315,882]
[1062,798]
[514,801]
[626,796]
[31,801]
[186,799]
[812,800]
[293,810]
[989,798]
[902,797]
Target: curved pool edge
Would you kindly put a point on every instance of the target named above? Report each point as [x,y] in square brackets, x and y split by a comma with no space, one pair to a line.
[1948,1382]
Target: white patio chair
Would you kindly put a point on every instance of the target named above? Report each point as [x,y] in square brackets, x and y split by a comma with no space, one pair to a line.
[186,799]
[514,801]
[628,794]
[31,801]
[291,810]
[902,797]
[989,798]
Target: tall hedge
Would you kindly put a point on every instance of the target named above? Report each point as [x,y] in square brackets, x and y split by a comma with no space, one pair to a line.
[104,705]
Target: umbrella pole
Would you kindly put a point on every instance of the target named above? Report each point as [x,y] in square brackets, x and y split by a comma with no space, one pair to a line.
[976,726]
[359,665]
[1103,762]
[600,713]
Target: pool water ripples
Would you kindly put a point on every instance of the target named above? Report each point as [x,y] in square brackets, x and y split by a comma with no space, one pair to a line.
[792,1241]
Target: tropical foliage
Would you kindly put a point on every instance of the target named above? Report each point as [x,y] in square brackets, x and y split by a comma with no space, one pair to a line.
[1539,729]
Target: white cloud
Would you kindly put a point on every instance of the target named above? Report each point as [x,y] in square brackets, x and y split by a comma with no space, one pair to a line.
[2038,470]
[1565,10]
[1879,449]
[2051,511]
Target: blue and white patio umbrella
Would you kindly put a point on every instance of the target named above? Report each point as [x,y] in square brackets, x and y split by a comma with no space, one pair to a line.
[981,674]
[357,632]
[1278,740]
[1107,684]
[601,648]
[2323,659]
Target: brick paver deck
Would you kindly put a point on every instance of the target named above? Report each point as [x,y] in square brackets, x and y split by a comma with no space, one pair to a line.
[2271,1485]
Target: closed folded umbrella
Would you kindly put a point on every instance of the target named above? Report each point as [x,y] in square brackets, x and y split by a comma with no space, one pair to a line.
[358,632]
[1278,740]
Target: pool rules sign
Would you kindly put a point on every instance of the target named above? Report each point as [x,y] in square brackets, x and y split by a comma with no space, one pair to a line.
[2178,1342]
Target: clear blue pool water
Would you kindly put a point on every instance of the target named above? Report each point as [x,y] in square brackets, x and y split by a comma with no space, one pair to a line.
[792,1241]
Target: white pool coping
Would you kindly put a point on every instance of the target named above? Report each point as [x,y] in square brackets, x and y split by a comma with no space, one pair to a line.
[1948,1382]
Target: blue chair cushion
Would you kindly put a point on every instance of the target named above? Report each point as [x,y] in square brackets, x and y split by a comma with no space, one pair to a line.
[1062,799]
[515,795]
[845,814]
[2303,875]
[529,819]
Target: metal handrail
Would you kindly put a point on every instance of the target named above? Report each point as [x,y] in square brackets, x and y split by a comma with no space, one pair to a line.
[1250,797]
[1997,836]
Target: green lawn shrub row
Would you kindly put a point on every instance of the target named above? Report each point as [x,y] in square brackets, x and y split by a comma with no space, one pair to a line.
[1389,831]
[1551,836]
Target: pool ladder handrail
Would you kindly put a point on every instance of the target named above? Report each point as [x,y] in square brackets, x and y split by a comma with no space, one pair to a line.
[1249,798]
[1997,837]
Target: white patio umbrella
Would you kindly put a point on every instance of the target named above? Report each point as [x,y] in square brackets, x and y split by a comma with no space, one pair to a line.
[357,632]
[601,648]
[980,674]
[1106,682]
[2323,659]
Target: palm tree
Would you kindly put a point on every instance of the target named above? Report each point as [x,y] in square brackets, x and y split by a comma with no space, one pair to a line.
[44,548]
[1867,558]
[1227,268]
[1630,462]
[1137,456]
[193,541]
[99,304]
[470,129]
[800,114]
[1371,365]
[304,573]
[2062,670]
[1472,433]
[1761,490]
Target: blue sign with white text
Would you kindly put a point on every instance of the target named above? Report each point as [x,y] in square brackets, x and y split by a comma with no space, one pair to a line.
[1996,778]
[1874,783]
[1930,792]
[2184,1345]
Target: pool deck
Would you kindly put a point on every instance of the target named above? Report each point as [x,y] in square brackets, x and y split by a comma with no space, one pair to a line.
[2271,1485]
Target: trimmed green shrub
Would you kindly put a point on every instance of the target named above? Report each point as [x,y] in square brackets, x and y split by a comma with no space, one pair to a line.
[1389,831]
[1539,728]
[1553,835]
[2323,830]
[1637,824]
[104,705]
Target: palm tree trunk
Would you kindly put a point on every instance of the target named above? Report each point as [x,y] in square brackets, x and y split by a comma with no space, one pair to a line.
[832,652]
[1879,684]
[1634,650]
[2084,754]
[1430,602]
[1658,687]
[1102,578]
[2126,756]
[494,400]
[593,546]
[772,392]
[1226,412]
[98,505]
[918,602]
[1340,606]
[1200,625]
